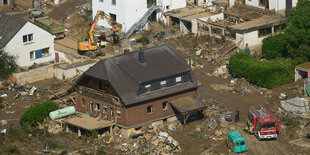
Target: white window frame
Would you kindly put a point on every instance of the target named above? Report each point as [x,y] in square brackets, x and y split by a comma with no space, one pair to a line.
[163,83]
[28,38]
[178,79]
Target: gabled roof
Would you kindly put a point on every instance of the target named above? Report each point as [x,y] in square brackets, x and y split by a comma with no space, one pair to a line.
[125,73]
[9,26]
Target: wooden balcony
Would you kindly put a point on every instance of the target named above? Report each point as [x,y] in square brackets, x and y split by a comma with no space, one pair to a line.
[98,95]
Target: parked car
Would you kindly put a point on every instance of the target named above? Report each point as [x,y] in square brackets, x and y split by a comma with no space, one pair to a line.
[236,142]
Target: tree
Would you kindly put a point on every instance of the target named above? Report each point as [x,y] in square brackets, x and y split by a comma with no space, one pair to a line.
[298,31]
[7,64]
[294,42]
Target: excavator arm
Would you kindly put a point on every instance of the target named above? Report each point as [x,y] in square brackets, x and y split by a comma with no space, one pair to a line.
[95,21]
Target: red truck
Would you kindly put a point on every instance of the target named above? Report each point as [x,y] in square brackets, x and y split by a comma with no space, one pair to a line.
[262,124]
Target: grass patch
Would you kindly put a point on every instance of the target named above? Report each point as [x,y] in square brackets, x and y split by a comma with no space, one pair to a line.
[197,136]
[56,145]
[9,149]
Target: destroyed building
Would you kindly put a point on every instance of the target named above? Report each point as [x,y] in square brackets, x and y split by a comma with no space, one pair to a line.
[247,26]
[25,40]
[267,4]
[139,87]
[129,13]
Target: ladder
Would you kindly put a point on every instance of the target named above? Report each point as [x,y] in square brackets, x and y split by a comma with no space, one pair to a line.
[143,20]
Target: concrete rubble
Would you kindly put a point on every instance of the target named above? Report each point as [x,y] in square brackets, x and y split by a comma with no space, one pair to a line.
[152,141]
[53,127]
[297,106]
[222,71]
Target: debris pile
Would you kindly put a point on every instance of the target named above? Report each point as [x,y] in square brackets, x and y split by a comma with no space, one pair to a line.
[151,141]
[297,106]
[51,126]
[222,71]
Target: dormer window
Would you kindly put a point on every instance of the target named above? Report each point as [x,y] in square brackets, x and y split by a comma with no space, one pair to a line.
[163,83]
[178,79]
[147,88]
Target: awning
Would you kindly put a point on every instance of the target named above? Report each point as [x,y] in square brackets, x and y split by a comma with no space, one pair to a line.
[188,104]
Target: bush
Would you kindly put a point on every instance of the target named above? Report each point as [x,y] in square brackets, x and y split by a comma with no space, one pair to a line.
[37,113]
[274,47]
[266,74]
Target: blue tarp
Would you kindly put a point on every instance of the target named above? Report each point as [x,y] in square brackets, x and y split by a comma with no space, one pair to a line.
[38,54]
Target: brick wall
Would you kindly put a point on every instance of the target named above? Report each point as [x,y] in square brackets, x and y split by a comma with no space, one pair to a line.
[105,115]
[133,115]
[138,114]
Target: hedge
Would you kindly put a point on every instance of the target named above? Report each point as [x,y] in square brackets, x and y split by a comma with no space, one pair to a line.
[275,47]
[36,114]
[268,74]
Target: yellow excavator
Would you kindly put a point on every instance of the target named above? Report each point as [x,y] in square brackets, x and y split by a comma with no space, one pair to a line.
[89,46]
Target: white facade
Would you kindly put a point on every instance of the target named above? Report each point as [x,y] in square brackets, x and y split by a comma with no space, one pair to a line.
[276,5]
[30,51]
[128,12]
[250,38]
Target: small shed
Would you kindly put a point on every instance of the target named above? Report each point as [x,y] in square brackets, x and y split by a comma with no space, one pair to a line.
[302,71]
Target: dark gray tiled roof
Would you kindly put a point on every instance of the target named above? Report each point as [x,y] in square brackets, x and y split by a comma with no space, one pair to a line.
[125,73]
[9,26]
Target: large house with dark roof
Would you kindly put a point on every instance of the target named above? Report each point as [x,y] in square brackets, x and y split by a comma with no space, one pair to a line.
[139,87]
[25,40]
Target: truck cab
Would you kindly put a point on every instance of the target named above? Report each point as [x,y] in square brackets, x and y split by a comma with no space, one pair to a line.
[236,142]
[262,125]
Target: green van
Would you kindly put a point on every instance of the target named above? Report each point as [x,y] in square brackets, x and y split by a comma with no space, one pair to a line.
[236,142]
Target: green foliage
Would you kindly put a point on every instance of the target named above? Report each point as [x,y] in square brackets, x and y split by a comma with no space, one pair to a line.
[1,105]
[55,145]
[7,64]
[274,47]
[145,40]
[9,149]
[94,134]
[197,136]
[36,114]
[16,134]
[295,41]
[266,74]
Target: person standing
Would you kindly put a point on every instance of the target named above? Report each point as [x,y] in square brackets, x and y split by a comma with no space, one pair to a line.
[237,116]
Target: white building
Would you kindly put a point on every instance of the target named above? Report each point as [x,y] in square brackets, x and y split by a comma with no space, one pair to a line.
[128,12]
[25,40]
[276,5]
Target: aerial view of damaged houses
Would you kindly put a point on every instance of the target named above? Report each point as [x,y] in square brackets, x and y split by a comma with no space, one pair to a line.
[154,77]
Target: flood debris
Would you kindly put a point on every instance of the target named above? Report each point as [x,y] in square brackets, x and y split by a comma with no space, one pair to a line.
[297,106]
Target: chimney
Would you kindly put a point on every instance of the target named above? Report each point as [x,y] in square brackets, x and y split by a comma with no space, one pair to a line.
[288,8]
[141,57]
